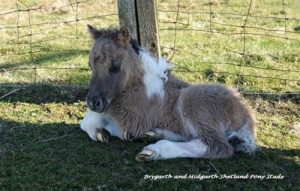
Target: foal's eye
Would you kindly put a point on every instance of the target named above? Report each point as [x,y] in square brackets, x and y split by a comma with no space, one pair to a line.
[165,72]
[115,67]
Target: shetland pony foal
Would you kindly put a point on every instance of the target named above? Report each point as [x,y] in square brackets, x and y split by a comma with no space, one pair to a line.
[129,97]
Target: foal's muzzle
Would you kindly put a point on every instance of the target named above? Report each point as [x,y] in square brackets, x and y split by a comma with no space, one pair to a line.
[97,104]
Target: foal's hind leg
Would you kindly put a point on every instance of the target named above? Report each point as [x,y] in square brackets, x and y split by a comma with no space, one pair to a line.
[166,149]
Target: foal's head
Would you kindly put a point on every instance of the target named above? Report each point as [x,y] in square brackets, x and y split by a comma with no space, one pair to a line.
[113,62]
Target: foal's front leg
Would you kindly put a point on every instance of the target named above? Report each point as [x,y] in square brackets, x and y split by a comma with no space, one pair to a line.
[100,126]
[166,149]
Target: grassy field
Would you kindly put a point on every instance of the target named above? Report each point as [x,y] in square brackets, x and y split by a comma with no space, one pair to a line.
[41,144]
[42,148]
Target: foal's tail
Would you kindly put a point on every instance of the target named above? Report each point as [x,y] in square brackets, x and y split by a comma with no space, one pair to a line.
[243,140]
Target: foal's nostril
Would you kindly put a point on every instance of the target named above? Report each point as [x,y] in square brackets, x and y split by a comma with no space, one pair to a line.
[98,103]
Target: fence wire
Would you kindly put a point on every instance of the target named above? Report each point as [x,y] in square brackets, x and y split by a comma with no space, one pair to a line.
[46,42]
[252,45]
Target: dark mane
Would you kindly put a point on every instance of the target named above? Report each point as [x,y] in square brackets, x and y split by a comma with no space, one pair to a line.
[135,45]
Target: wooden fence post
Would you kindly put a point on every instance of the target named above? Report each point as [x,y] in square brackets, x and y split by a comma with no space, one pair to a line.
[141,18]
[147,23]
[127,16]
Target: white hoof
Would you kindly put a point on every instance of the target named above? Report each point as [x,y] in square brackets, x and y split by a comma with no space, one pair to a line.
[127,136]
[145,156]
[150,136]
[103,136]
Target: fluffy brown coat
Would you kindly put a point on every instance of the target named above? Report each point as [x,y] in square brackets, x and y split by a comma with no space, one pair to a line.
[208,112]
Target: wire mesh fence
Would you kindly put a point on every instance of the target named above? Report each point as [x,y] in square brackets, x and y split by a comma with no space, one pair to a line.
[253,45]
[46,42]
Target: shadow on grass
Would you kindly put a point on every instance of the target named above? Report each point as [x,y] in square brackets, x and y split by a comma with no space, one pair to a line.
[47,93]
[46,57]
[59,156]
[43,93]
[292,97]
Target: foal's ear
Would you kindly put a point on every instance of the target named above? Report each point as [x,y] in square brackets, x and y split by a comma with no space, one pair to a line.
[94,32]
[123,37]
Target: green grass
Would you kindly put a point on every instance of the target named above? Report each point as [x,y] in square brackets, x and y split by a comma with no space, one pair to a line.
[42,146]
